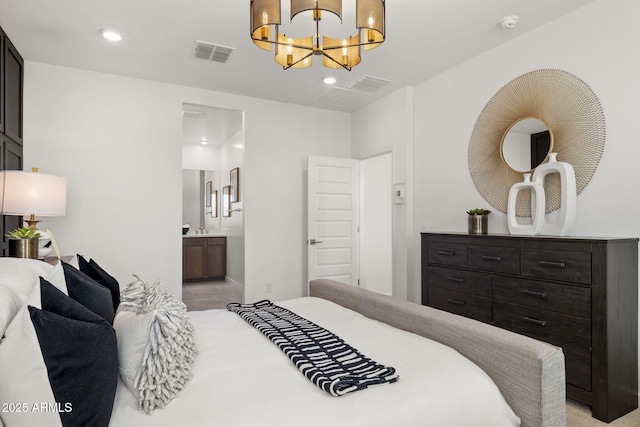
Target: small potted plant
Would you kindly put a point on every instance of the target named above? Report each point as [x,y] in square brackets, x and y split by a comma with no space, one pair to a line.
[478,220]
[23,243]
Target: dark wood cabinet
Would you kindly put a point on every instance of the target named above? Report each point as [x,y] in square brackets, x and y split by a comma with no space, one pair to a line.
[11,118]
[13,67]
[580,294]
[204,258]
[2,43]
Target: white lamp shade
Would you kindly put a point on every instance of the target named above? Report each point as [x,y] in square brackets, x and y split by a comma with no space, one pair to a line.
[26,193]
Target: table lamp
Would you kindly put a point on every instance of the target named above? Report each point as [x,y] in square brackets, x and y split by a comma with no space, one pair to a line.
[31,193]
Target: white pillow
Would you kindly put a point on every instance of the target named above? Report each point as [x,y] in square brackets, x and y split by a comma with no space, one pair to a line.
[132,332]
[56,278]
[156,346]
[10,303]
[21,274]
[56,347]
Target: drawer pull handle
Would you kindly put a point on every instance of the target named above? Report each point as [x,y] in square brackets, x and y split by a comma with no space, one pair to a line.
[553,264]
[447,253]
[542,295]
[535,321]
[455,279]
[456,302]
[491,258]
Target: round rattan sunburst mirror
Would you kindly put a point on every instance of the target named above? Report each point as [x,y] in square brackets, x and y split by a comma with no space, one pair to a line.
[572,112]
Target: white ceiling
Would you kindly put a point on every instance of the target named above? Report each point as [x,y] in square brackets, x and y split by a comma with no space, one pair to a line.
[424,38]
[214,125]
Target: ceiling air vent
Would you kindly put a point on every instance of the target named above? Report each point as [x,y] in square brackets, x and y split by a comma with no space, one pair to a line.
[212,52]
[368,84]
[192,114]
[340,97]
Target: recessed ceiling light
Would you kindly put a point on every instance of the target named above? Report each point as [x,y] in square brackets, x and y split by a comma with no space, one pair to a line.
[110,35]
[204,142]
[329,80]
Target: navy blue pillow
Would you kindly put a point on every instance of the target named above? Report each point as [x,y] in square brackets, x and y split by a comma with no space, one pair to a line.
[88,292]
[97,273]
[79,349]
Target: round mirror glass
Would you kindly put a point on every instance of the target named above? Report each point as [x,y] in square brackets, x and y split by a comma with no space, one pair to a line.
[526,144]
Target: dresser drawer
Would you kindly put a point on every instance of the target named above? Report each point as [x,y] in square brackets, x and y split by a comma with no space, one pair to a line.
[453,254]
[555,328]
[568,266]
[572,333]
[460,280]
[499,259]
[577,366]
[466,305]
[563,298]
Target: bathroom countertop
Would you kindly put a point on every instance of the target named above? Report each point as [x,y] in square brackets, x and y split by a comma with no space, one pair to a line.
[214,234]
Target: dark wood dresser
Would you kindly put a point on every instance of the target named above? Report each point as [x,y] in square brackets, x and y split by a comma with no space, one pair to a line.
[580,294]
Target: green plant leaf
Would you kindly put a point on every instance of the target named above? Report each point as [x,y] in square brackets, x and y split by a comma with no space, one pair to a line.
[23,233]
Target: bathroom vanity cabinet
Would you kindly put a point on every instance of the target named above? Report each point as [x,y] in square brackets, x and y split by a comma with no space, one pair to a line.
[204,258]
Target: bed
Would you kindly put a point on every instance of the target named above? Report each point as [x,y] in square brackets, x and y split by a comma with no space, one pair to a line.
[452,371]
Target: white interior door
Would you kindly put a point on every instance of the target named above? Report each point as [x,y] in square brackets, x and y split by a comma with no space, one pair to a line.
[332,241]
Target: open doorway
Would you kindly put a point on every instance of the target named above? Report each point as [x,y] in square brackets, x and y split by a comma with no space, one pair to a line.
[376,224]
[212,214]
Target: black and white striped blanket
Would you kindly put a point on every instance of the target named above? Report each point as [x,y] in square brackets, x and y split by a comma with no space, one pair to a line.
[320,355]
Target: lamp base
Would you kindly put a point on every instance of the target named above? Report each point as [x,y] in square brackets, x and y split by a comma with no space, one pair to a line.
[23,248]
[32,221]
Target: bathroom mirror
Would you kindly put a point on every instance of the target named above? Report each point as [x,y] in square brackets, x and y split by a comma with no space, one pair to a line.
[526,144]
[197,186]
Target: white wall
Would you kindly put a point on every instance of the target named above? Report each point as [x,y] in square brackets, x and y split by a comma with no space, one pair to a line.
[118,141]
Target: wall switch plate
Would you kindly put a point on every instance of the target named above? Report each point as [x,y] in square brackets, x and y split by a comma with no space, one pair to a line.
[399,191]
[268,287]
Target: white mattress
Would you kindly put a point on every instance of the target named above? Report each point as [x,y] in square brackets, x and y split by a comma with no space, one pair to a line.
[242,379]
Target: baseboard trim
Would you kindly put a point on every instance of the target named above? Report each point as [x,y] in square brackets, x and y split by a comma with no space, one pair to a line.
[233,282]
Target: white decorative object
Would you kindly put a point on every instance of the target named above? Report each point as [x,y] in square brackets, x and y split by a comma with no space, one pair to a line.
[567,212]
[537,208]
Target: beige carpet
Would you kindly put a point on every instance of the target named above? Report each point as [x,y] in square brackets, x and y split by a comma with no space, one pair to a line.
[579,415]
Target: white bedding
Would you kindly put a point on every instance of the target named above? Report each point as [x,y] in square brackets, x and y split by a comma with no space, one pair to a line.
[242,379]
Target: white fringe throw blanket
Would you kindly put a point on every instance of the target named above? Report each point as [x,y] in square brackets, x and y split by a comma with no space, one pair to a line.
[321,356]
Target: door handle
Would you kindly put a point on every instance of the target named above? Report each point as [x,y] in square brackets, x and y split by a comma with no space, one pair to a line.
[313,241]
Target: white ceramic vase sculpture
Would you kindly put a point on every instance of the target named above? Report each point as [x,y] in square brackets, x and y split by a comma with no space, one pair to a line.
[537,208]
[567,212]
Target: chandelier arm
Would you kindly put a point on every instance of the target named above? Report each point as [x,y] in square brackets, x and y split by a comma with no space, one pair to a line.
[339,63]
[297,62]
[274,42]
[346,45]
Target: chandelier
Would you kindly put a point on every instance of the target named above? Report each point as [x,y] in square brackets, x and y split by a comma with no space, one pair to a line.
[297,52]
